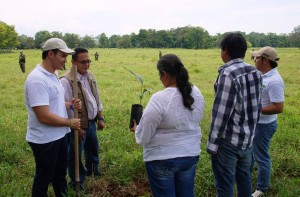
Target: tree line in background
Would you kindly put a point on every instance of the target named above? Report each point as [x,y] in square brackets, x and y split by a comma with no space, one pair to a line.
[188,37]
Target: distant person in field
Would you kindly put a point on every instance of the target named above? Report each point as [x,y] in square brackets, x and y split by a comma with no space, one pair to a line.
[48,121]
[169,131]
[91,116]
[22,60]
[235,113]
[252,57]
[96,56]
[272,104]
[159,55]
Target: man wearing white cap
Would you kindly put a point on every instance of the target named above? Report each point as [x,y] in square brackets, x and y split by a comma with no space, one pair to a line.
[272,103]
[48,121]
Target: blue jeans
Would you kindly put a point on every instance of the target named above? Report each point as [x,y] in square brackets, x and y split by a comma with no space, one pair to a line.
[261,144]
[71,160]
[91,148]
[172,177]
[51,167]
[232,164]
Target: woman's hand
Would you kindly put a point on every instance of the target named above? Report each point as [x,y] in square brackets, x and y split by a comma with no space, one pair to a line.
[134,126]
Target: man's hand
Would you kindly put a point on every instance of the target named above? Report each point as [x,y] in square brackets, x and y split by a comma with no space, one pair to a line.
[76,103]
[74,123]
[100,125]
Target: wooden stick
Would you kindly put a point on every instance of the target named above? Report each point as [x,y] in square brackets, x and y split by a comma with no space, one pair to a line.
[76,150]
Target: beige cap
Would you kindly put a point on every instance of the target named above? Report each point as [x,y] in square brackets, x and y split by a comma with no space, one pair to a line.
[267,52]
[56,43]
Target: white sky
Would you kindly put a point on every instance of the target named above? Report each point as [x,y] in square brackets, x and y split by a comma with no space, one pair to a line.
[93,17]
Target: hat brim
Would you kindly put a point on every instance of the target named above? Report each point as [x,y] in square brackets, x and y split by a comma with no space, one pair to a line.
[255,53]
[67,51]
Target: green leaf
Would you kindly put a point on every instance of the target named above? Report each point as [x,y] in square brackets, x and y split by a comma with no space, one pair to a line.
[139,77]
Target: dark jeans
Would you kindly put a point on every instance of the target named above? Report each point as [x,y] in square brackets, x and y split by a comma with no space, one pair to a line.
[232,164]
[91,148]
[51,167]
[172,177]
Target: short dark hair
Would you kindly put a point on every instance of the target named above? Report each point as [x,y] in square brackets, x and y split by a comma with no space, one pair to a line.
[235,44]
[77,51]
[273,64]
[45,53]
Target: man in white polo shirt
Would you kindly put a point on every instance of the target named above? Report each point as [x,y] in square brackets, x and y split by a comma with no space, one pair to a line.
[272,100]
[48,121]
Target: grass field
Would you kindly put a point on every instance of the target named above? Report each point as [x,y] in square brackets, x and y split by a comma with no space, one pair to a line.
[121,159]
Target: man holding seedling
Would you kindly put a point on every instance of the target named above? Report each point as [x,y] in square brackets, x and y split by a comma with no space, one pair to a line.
[235,113]
[48,121]
[272,100]
[90,115]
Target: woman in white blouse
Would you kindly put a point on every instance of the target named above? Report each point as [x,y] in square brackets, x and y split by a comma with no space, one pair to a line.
[169,131]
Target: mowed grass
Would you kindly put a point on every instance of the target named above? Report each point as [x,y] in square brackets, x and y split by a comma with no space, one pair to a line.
[122,163]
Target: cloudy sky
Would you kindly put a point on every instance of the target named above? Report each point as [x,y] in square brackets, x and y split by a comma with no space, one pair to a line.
[93,17]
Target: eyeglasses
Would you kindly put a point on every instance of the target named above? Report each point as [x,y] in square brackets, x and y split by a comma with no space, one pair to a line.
[84,61]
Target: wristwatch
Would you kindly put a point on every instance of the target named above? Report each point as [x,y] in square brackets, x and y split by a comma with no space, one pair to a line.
[101,118]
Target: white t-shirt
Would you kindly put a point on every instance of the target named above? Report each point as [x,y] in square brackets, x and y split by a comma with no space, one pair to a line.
[168,129]
[273,92]
[43,88]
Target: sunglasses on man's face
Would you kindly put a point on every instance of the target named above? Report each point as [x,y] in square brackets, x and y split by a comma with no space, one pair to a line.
[84,61]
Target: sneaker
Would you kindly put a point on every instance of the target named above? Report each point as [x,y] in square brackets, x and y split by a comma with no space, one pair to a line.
[257,193]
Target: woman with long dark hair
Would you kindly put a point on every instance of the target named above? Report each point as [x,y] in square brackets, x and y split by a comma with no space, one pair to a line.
[169,131]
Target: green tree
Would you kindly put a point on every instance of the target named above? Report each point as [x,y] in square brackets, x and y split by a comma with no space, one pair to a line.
[87,42]
[124,42]
[8,36]
[103,41]
[57,34]
[294,37]
[134,40]
[72,40]
[164,39]
[25,42]
[40,38]
[113,40]
[143,38]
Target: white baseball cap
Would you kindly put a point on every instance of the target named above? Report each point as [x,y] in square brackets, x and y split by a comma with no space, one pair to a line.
[56,43]
[267,52]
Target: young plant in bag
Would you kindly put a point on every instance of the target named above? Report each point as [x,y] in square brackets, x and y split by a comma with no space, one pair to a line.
[137,109]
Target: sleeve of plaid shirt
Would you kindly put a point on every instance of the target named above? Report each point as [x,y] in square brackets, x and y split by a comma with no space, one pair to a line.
[225,99]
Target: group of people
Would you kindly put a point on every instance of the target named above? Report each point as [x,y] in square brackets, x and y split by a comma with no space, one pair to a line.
[246,103]
[50,103]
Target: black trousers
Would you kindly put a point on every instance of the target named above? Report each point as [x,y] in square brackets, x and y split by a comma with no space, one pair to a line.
[51,167]
[22,66]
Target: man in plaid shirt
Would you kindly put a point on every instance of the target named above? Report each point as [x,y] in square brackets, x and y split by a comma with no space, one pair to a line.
[235,113]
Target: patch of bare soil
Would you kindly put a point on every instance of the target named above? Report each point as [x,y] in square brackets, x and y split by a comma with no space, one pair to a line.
[137,188]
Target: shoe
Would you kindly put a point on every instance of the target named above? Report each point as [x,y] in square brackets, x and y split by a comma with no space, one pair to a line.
[257,193]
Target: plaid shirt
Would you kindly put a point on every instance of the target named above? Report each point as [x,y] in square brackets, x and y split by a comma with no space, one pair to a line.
[236,106]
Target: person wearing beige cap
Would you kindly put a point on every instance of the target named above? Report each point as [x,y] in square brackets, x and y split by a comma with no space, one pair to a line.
[48,121]
[272,104]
